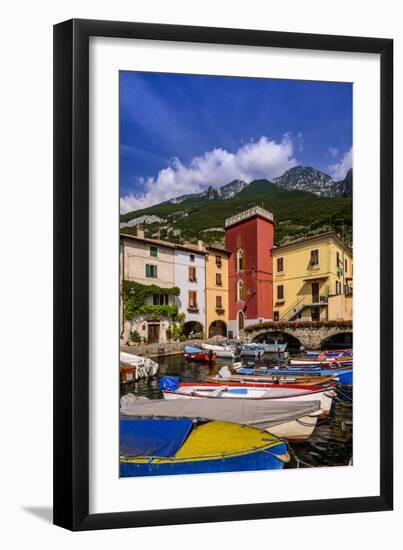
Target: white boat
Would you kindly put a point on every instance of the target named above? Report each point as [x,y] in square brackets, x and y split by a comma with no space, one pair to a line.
[145,367]
[226,352]
[292,420]
[243,391]
[252,351]
[274,347]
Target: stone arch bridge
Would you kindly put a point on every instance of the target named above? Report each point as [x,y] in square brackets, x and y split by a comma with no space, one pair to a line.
[311,337]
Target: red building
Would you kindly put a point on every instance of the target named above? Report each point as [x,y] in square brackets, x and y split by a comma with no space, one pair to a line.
[249,237]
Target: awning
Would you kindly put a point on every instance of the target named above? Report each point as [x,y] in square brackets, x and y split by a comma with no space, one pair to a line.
[315,277]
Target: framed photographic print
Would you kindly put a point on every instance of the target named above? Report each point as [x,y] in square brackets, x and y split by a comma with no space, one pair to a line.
[223,304]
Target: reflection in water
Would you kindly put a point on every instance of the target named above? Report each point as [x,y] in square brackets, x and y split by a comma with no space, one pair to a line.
[329,445]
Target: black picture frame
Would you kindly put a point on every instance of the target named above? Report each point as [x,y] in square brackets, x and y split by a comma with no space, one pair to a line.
[71,274]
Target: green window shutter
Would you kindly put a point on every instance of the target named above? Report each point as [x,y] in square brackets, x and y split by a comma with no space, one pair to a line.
[148,270]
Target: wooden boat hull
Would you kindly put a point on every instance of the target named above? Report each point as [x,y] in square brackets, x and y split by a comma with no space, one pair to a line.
[300,381]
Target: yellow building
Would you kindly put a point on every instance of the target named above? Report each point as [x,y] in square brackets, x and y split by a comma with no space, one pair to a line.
[216,291]
[312,279]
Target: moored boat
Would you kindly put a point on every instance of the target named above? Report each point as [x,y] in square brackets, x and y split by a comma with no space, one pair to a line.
[274,347]
[136,367]
[166,446]
[225,375]
[197,354]
[226,352]
[173,390]
[252,351]
[293,420]
[338,357]
[343,376]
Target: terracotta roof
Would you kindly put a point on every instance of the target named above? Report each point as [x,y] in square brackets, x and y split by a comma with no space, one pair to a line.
[218,248]
[158,242]
[329,234]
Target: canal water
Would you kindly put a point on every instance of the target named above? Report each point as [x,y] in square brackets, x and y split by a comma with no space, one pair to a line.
[329,445]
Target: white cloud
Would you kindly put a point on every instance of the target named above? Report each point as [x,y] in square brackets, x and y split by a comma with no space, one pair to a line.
[260,159]
[339,170]
[333,152]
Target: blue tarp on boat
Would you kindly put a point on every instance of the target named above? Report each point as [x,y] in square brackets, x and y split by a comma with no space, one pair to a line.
[169,383]
[191,349]
[161,437]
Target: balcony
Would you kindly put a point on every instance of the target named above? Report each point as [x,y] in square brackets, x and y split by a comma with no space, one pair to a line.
[220,310]
[193,309]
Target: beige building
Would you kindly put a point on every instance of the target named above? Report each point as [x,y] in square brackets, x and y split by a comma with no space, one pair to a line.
[313,279]
[148,262]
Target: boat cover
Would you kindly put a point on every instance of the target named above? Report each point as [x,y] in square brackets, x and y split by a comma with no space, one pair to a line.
[169,383]
[261,414]
[153,437]
[191,349]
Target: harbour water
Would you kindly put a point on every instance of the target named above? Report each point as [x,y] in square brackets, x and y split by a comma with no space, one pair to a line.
[329,445]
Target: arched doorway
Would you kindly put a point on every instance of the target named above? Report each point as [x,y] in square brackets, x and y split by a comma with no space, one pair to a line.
[338,341]
[293,344]
[217,328]
[241,322]
[193,329]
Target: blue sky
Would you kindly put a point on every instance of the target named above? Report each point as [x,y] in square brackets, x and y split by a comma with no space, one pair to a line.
[181,133]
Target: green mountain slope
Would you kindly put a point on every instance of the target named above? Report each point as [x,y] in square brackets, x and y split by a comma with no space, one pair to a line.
[296,214]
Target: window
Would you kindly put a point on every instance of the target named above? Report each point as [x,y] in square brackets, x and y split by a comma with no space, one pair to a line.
[218,279]
[192,299]
[192,257]
[160,299]
[218,302]
[280,265]
[345,266]
[280,292]
[151,271]
[240,260]
[153,251]
[218,261]
[192,275]
[240,291]
[314,257]
[276,316]
[241,321]
[338,287]
[337,259]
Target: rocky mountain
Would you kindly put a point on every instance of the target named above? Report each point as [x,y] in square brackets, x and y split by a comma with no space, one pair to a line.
[344,188]
[225,192]
[297,211]
[305,178]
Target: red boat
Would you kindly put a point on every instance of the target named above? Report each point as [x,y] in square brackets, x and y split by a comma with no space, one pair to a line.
[196,354]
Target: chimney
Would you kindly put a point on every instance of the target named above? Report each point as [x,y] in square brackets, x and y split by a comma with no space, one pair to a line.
[200,245]
[140,232]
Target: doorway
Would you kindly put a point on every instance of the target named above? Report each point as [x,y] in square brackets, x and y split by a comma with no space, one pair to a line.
[315,313]
[315,293]
[153,333]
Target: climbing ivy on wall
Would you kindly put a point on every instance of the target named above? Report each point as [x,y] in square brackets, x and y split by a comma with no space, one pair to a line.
[134,295]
